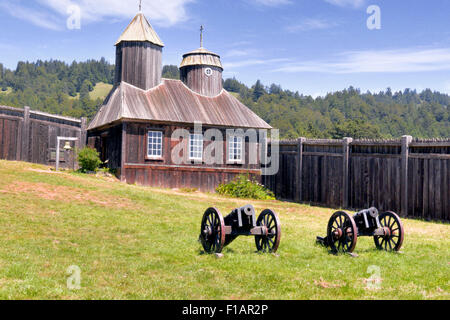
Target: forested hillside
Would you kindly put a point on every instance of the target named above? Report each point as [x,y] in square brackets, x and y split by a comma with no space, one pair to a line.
[55,87]
[349,113]
[59,88]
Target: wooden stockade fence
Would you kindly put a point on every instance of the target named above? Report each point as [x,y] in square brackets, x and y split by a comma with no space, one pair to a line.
[409,176]
[27,135]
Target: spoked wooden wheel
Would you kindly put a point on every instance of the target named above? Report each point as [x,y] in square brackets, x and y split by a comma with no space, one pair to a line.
[393,228]
[270,240]
[342,233]
[212,234]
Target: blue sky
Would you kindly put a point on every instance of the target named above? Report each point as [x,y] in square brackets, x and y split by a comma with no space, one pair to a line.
[313,46]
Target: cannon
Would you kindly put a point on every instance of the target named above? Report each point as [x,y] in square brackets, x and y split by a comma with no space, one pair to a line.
[343,230]
[217,232]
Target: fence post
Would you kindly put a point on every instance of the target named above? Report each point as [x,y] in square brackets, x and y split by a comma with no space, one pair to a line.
[406,140]
[18,155]
[345,171]
[299,168]
[25,134]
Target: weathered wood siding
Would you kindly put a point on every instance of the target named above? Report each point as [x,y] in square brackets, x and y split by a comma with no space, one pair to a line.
[429,181]
[196,79]
[31,136]
[405,176]
[165,172]
[322,173]
[139,64]
[182,177]
[11,124]
[283,184]
[375,177]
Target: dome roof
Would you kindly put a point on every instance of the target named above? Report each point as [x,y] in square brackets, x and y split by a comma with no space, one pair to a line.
[140,29]
[201,57]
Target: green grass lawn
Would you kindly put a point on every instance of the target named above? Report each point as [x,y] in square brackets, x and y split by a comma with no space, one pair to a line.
[235,94]
[132,242]
[100,91]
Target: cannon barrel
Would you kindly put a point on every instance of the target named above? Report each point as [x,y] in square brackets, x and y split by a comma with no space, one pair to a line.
[243,218]
[218,232]
[372,212]
[247,210]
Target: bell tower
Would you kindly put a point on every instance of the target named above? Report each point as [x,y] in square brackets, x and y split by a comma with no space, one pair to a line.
[201,70]
[139,54]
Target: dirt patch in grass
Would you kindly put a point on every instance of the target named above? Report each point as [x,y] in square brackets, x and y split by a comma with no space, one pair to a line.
[64,194]
[326,285]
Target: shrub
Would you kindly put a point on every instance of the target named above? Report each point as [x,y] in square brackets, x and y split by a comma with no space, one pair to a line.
[89,160]
[244,187]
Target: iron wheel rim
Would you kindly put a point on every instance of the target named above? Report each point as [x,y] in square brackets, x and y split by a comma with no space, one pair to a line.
[268,243]
[344,224]
[214,223]
[394,241]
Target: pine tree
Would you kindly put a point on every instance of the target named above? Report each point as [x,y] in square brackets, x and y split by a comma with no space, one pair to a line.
[258,91]
[171,72]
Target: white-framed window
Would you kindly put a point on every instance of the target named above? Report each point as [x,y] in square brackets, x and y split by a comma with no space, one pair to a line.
[235,148]
[196,146]
[154,147]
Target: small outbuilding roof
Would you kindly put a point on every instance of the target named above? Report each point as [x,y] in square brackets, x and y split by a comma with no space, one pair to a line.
[140,29]
[201,57]
[173,102]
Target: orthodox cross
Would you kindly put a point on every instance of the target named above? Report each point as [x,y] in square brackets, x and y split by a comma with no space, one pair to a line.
[140,5]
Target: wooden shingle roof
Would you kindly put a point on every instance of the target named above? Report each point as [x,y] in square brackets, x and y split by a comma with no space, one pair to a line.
[140,29]
[173,102]
[201,57]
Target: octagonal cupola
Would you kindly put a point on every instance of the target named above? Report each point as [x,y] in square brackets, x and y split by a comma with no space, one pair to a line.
[201,70]
[139,55]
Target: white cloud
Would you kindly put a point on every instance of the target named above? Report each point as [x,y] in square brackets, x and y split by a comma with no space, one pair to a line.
[382,61]
[160,11]
[38,18]
[241,53]
[252,62]
[52,14]
[310,24]
[345,3]
[340,3]
[271,3]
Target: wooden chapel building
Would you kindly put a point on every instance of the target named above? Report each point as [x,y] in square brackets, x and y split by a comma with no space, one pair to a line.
[134,129]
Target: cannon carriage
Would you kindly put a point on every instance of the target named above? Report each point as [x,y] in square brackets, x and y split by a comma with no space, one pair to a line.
[343,230]
[217,232]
